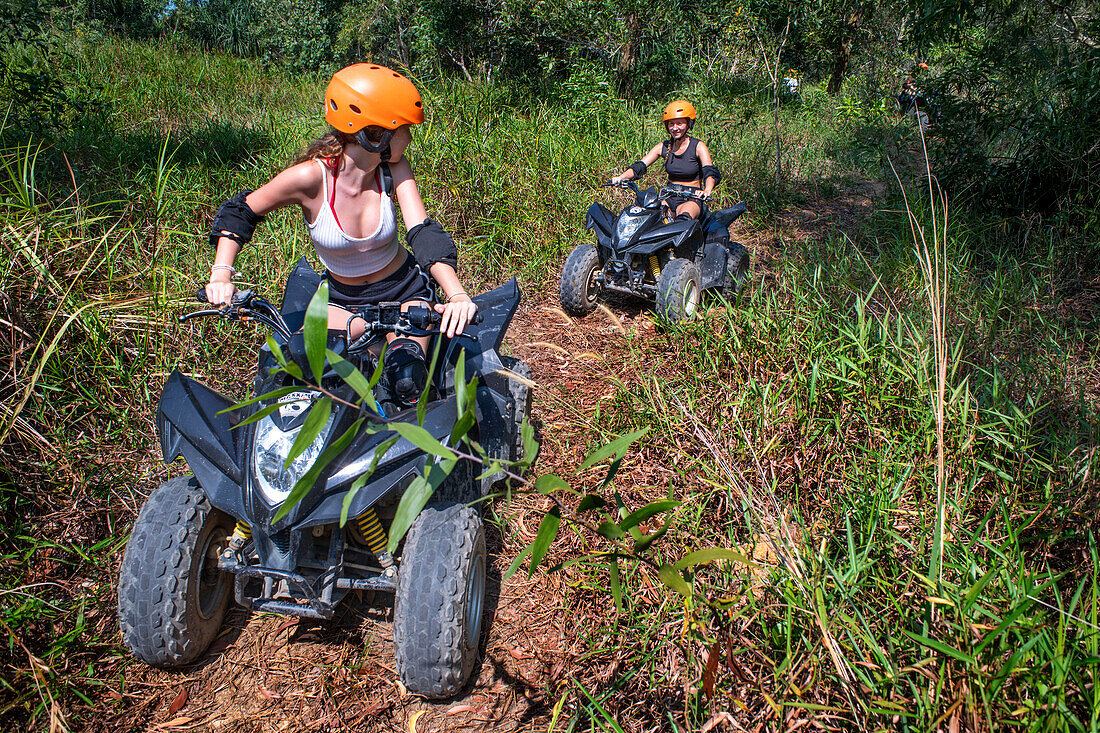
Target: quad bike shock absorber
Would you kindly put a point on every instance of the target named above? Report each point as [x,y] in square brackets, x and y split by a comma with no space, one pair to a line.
[375,536]
[242,533]
[655,267]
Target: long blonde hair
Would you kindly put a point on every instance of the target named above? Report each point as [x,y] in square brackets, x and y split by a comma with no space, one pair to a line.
[330,146]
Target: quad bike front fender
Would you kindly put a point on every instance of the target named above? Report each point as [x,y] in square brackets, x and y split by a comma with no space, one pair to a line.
[601,221]
[682,236]
[192,423]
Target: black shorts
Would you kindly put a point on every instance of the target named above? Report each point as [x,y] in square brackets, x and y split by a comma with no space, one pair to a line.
[407,282]
[675,200]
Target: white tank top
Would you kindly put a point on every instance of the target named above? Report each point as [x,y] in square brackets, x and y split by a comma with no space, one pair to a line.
[350,256]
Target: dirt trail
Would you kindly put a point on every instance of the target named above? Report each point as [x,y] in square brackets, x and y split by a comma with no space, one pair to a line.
[271,673]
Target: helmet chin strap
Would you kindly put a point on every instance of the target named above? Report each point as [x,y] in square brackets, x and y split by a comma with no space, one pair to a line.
[382,147]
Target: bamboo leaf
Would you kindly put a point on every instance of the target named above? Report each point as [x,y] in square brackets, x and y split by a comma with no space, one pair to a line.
[647,541]
[638,516]
[710,554]
[616,585]
[416,435]
[617,447]
[360,482]
[350,374]
[305,483]
[272,395]
[549,483]
[610,530]
[524,553]
[315,330]
[548,530]
[258,415]
[672,578]
[319,413]
[590,502]
[415,498]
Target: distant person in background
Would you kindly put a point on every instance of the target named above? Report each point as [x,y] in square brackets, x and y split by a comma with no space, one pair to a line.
[345,185]
[912,101]
[687,161]
[791,85]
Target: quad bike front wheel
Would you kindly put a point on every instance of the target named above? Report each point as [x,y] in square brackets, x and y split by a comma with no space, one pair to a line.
[578,288]
[678,290]
[737,271]
[171,594]
[440,600]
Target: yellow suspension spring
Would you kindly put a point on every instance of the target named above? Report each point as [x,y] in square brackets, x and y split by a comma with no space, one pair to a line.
[375,536]
[241,532]
[654,267]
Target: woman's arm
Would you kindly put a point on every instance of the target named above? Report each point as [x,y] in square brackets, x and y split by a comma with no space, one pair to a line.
[296,185]
[709,180]
[458,308]
[647,160]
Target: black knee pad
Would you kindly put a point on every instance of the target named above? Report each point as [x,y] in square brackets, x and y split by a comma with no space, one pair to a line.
[406,372]
[684,217]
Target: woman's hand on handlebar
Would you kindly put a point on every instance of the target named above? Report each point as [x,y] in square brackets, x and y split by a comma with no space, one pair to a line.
[457,314]
[220,292]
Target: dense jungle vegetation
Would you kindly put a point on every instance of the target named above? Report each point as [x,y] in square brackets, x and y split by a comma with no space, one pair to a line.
[895,425]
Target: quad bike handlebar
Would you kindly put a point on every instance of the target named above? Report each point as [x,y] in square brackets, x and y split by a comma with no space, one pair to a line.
[685,191]
[672,189]
[244,305]
[380,318]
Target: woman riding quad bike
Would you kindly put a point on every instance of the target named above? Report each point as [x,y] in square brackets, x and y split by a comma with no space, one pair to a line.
[667,246]
[221,533]
[182,560]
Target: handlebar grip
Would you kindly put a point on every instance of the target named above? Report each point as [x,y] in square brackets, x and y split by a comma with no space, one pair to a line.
[200,294]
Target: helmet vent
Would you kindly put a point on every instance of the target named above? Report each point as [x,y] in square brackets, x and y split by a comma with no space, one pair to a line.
[375,68]
[332,103]
[418,104]
[355,109]
[397,75]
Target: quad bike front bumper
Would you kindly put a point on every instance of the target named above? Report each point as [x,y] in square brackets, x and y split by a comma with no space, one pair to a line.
[290,593]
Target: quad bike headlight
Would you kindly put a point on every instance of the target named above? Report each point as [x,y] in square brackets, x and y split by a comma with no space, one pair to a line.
[272,446]
[626,226]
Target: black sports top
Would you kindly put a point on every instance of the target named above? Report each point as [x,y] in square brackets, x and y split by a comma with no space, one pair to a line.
[686,167]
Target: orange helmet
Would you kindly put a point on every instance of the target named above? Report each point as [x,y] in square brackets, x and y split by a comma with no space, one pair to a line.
[368,94]
[679,108]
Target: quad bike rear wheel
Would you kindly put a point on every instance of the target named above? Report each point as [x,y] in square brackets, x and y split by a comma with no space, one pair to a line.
[737,270]
[578,288]
[440,600]
[678,290]
[171,594]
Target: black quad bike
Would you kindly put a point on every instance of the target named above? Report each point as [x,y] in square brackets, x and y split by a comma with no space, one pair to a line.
[645,253]
[206,539]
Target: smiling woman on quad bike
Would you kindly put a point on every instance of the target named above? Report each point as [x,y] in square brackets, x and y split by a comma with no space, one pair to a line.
[687,161]
[344,183]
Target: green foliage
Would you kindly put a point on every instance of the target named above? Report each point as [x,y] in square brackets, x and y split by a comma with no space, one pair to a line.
[1014,89]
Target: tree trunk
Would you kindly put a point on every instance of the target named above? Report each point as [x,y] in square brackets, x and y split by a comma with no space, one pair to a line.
[840,67]
[628,58]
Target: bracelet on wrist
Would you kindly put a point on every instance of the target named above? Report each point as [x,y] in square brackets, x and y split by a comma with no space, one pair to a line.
[452,296]
[233,272]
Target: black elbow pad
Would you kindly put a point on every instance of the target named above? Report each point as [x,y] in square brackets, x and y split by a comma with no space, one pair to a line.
[639,168]
[711,171]
[430,244]
[235,220]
